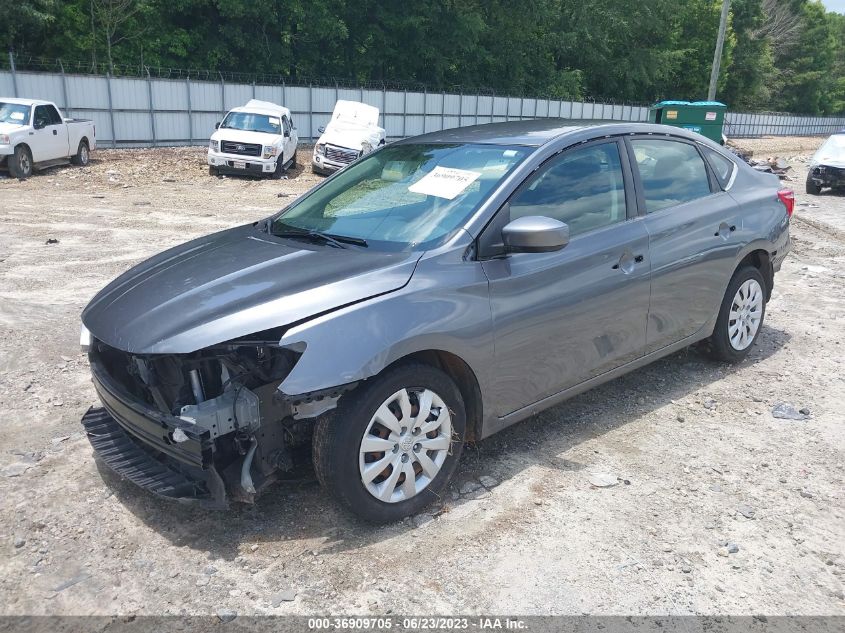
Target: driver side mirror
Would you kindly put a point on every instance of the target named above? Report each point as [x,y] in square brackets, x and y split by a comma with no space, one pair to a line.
[217,125]
[321,129]
[535,234]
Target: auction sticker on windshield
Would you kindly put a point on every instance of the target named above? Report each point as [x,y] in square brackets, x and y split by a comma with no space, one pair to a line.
[444,182]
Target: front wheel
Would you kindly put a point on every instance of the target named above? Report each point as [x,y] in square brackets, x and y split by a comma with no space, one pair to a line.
[812,188]
[20,163]
[392,445]
[740,316]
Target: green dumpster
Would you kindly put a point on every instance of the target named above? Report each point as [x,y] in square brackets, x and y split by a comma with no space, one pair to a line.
[704,117]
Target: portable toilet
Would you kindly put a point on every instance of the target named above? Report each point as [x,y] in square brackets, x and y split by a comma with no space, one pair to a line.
[705,117]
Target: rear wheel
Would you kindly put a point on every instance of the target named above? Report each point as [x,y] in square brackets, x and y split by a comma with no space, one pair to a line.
[740,316]
[392,445]
[83,155]
[812,188]
[20,163]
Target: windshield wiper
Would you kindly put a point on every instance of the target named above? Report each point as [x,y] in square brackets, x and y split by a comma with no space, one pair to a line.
[326,238]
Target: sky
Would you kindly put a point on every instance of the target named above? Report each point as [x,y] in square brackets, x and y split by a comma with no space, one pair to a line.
[834,5]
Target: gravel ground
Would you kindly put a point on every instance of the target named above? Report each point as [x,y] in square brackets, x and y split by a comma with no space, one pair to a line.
[718,507]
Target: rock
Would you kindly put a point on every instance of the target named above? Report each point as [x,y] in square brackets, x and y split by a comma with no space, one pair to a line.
[488,482]
[686,569]
[603,480]
[468,487]
[806,494]
[722,551]
[681,418]
[16,469]
[746,510]
[51,240]
[210,570]
[715,488]
[289,595]
[785,411]
[804,410]
[226,615]
[19,542]
[253,548]
[732,548]
[202,581]
[710,405]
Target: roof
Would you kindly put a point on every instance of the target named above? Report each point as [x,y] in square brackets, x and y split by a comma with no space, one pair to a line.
[698,104]
[263,107]
[534,132]
[25,101]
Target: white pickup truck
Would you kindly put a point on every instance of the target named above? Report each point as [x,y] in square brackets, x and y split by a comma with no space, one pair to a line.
[352,132]
[34,135]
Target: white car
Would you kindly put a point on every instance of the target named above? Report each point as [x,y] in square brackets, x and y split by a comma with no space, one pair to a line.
[256,139]
[35,135]
[352,132]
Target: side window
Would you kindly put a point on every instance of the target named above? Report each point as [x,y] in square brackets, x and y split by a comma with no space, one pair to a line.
[583,187]
[42,117]
[722,166]
[671,173]
[53,114]
[286,125]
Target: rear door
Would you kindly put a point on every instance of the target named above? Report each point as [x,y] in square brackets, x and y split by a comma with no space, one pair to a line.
[693,227]
[561,318]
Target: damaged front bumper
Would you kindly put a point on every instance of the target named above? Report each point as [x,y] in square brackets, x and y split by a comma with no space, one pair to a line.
[828,176]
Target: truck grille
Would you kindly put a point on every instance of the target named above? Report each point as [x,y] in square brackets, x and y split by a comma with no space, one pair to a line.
[243,149]
[341,154]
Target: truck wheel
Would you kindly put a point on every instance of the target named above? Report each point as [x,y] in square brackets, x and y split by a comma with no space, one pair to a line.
[280,168]
[20,163]
[740,316]
[212,171]
[82,156]
[391,446]
[812,188]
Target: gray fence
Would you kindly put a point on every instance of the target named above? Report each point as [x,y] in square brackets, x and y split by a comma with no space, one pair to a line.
[134,112]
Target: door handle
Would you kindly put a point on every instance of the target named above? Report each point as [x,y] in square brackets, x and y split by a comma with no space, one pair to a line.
[55,132]
[626,262]
[724,230]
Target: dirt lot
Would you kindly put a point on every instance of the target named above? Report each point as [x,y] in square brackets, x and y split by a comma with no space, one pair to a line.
[703,461]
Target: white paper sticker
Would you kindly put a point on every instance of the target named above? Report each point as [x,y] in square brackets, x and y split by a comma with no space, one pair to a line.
[710,116]
[444,182]
[274,121]
[16,116]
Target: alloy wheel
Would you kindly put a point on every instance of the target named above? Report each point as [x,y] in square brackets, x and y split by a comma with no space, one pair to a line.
[746,314]
[405,444]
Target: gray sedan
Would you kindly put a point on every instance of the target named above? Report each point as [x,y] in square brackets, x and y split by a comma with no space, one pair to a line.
[435,291]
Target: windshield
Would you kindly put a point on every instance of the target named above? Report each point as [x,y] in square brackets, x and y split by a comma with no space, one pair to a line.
[404,196]
[17,113]
[250,122]
[833,149]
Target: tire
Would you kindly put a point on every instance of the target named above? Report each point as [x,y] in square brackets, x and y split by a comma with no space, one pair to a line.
[83,155]
[340,463]
[20,163]
[212,171]
[732,339]
[280,169]
[812,188]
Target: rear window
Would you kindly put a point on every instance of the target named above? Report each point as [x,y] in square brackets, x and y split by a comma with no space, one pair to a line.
[722,166]
[671,172]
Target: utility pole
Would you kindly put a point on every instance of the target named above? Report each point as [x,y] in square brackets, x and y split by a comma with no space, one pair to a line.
[717,54]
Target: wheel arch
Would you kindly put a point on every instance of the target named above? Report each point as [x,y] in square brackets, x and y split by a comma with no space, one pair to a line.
[761,260]
[464,377]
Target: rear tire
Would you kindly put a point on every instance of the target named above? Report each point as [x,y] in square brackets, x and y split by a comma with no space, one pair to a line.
[431,457]
[20,163]
[83,155]
[740,316]
[812,188]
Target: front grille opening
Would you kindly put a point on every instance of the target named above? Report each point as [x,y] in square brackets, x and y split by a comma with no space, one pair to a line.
[242,149]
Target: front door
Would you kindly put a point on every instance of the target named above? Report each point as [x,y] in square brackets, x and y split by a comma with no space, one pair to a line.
[48,140]
[561,318]
[693,237]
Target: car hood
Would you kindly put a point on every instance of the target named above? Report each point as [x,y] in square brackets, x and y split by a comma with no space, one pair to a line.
[241,136]
[351,135]
[8,128]
[232,284]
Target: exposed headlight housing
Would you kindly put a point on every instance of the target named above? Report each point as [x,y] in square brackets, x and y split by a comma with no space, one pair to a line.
[214,146]
[85,339]
[270,151]
[321,149]
[366,147]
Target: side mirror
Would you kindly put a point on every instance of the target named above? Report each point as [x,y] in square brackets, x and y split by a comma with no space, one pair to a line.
[217,125]
[286,134]
[321,129]
[535,234]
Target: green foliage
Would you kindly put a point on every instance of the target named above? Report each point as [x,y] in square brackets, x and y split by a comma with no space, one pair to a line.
[778,55]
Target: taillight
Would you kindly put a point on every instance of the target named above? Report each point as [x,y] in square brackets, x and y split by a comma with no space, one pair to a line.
[787,196]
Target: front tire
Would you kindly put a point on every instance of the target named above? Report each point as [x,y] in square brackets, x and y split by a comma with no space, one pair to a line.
[20,163]
[812,188]
[212,171]
[391,446]
[740,316]
[82,156]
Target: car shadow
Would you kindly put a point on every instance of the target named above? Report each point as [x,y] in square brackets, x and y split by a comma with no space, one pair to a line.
[302,512]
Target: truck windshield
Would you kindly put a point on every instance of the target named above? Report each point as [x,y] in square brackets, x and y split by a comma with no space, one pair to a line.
[403,197]
[16,113]
[249,122]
